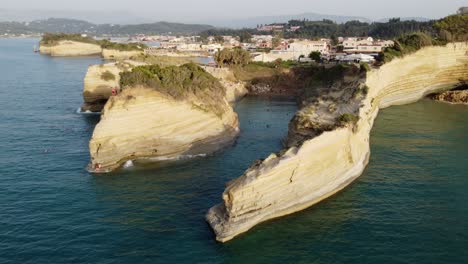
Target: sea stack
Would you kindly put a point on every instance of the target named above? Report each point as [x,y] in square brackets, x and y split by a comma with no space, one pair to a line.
[163,114]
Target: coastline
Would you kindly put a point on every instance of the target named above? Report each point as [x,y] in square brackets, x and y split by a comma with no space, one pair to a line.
[268,190]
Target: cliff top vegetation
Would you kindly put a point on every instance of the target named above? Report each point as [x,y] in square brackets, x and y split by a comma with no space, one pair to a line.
[188,81]
[52,39]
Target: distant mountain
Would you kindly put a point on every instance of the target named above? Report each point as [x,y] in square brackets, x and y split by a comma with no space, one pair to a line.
[254,21]
[114,17]
[79,26]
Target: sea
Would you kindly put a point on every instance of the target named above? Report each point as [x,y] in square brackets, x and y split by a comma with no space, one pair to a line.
[409,206]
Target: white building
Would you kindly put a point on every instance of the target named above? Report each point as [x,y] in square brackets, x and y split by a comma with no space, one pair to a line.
[305,47]
[365,45]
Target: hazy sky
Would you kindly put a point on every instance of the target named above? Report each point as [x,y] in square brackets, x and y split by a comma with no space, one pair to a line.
[193,10]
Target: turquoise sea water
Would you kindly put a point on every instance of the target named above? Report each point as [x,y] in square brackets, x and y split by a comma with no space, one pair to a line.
[409,206]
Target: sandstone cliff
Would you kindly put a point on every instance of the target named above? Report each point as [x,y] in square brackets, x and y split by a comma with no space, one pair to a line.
[235,89]
[141,123]
[321,162]
[71,48]
[100,80]
[163,113]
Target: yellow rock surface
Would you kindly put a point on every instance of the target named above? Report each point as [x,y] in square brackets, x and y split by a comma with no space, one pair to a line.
[325,164]
[235,89]
[71,48]
[97,89]
[141,123]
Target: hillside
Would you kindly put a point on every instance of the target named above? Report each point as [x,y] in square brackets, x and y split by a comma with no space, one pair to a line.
[55,25]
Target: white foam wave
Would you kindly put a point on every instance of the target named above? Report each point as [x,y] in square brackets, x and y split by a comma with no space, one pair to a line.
[87,112]
[128,164]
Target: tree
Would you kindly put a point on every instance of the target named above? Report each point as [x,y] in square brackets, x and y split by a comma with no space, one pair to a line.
[245,37]
[219,39]
[235,56]
[316,56]
[456,25]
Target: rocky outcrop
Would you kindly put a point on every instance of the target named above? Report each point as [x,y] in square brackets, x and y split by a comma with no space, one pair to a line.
[453,97]
[100,80]
[67,48]
[320,163]
[141,123]
[235,89]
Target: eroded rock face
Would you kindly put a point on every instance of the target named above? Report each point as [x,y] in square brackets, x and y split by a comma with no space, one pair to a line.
[235,89]
[67,48]
[142,123]
[100,80]
[97,89]
[317,165]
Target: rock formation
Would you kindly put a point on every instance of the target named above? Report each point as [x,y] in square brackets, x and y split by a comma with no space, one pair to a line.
[453,97]
[142,123]
[100,80]
[322,156]
[235,89]
[71,48]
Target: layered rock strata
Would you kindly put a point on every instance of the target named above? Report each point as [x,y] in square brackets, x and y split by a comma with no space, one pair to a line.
[100,80]
[323,158]
[144,124]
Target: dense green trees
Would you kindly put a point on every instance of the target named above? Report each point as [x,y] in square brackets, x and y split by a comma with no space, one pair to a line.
[327,28]
[315,56]
[404,45]
[235,56]
[453,28]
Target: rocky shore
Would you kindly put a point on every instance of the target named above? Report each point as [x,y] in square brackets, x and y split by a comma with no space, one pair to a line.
[328,144]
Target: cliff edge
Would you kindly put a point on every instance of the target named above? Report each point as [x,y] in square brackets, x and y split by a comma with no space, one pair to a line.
[328,149]
[162,114]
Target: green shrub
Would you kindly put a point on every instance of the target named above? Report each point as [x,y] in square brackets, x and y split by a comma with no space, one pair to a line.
[453,28]
[107,76]
[179,82]
[235,56]
[106,44]
[364,67]
[315,56]
[406,44]
[348,118]
[52,39]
